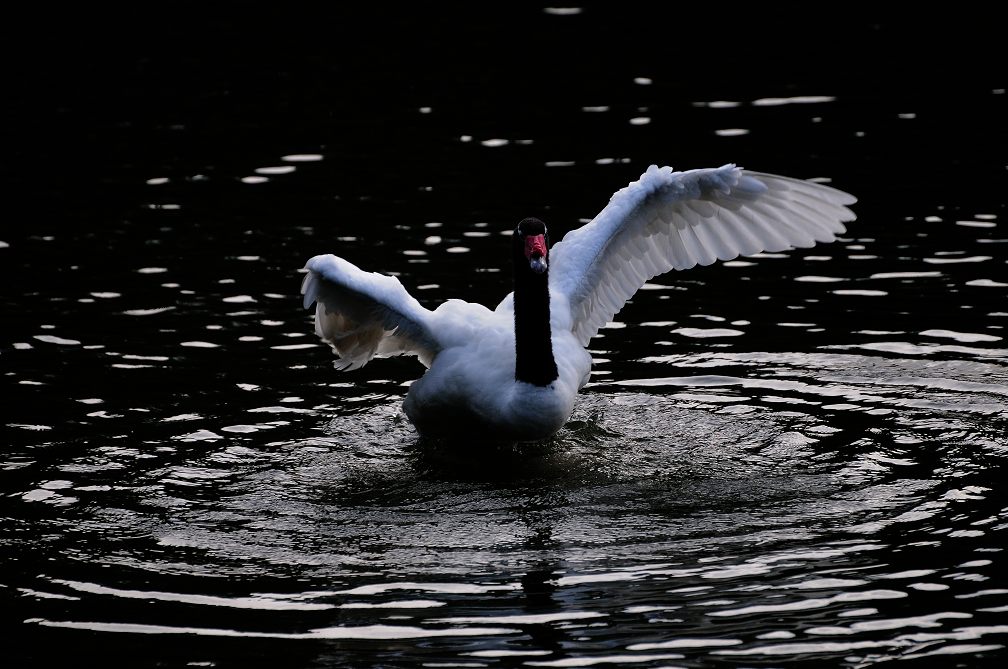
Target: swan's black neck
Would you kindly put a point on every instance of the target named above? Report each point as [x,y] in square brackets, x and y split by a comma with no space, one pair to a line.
[534,361]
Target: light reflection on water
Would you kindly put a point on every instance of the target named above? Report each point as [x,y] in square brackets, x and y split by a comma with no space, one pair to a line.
[721,507]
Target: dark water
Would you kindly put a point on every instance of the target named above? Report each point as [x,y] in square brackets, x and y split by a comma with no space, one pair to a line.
[787,459]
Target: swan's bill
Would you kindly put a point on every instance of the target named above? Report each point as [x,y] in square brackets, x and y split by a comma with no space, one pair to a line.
[535,251]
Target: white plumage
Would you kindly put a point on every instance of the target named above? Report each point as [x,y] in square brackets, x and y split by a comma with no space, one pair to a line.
[665,220]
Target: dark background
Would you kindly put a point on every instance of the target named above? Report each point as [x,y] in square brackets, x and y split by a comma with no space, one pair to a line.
[95,96]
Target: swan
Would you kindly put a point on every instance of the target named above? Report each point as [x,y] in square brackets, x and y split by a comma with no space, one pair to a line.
[513,373]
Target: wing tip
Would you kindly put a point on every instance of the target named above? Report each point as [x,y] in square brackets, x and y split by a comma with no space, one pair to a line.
[309,288]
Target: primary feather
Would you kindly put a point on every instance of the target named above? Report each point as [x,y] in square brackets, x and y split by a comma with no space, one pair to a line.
[514,372]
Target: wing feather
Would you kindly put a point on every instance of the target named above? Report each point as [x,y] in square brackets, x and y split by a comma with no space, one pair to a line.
[675,220]
[364,315]
[739,233]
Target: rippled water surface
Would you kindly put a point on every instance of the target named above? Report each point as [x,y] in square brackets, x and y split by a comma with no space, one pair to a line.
[784,459]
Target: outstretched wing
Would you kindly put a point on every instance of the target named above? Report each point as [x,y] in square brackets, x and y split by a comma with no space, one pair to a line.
[674,220]
[363,315]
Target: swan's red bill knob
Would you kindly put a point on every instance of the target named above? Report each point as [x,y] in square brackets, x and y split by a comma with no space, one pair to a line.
[535,251]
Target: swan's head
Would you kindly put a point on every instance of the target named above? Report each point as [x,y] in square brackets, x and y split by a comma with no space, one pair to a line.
[533,241]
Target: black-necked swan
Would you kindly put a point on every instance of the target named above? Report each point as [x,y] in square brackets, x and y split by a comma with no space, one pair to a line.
[513,373]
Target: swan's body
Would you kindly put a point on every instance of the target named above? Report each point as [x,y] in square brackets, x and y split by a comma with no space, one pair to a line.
[513,373]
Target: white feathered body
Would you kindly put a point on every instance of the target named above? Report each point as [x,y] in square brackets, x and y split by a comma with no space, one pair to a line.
[470,388]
